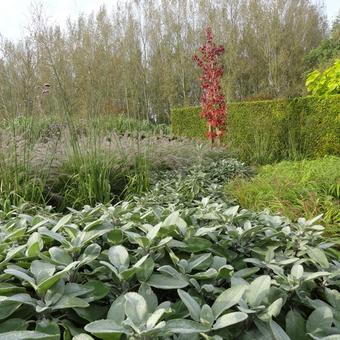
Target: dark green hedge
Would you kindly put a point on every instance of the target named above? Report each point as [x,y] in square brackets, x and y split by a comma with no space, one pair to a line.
[268,131]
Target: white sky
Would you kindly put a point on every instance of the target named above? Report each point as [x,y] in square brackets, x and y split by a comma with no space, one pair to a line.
[14,14]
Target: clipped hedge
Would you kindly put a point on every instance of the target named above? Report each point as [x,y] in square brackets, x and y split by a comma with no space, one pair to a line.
[268,131]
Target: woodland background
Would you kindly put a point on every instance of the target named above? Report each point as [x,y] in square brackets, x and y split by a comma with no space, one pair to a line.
[137,60]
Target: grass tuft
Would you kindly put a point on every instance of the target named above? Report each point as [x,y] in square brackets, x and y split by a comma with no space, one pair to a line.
[301,188]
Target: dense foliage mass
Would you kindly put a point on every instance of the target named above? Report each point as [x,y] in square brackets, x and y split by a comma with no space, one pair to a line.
[326,82]
[266,131]
[195,267]
[301,188]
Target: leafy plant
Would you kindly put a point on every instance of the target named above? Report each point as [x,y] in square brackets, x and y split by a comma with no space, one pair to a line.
[196,267]
[307,188]
[212,98]
[325,83]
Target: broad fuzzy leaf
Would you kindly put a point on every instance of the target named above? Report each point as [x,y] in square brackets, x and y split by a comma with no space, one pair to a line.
[227,299]
[229,319]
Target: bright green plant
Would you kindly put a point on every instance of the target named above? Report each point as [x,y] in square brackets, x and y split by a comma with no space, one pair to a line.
[326,82]
[302,188]
[195,268]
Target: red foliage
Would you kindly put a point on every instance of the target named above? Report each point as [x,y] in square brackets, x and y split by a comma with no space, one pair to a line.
[213,105]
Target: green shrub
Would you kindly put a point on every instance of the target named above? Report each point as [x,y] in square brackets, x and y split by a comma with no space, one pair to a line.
[267,131]
[294,189]
[325,83]
[196,268]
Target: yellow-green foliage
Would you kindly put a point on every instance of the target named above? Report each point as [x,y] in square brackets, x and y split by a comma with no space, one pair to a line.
[301,188]
[326,82]
[268,131]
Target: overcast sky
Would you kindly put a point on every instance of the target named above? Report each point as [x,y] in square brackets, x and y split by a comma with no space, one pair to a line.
[15,14]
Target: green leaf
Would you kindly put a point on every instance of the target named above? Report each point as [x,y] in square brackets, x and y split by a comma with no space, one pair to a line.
[229,319]
[227,299]
[115,236]
[225,272]
[14,324]
[333,297]
[145,270]
[64,220]
[42,270]
[166,282]
[119,257]
[48,327]
[25,335]
[11,270]
[297,271]
[211,273]
[258,289]
[60,255]
[117,310]
[136,308]
[183,326]
[199,262]
[12,253]
[7,307]
[92,313]
[192,305]
[197,244]
[90,254]
[98,290]
[34,245]
[70,302]
[232,211]
[244,273]
[74,289]
[154,318]
[22,298]
[153,232]
[207,315]
[176,220]
[273,310]
[103,328]
[149,296]
[8,288]
[54,236]
[318,256]
[295,325]
[278,332]
[320,319]
[313,276]
[49,282]
[82,336]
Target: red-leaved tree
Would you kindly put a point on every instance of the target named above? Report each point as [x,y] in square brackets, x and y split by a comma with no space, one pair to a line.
[213,105]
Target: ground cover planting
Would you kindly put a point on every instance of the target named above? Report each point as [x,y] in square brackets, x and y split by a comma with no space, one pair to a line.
[192,265]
